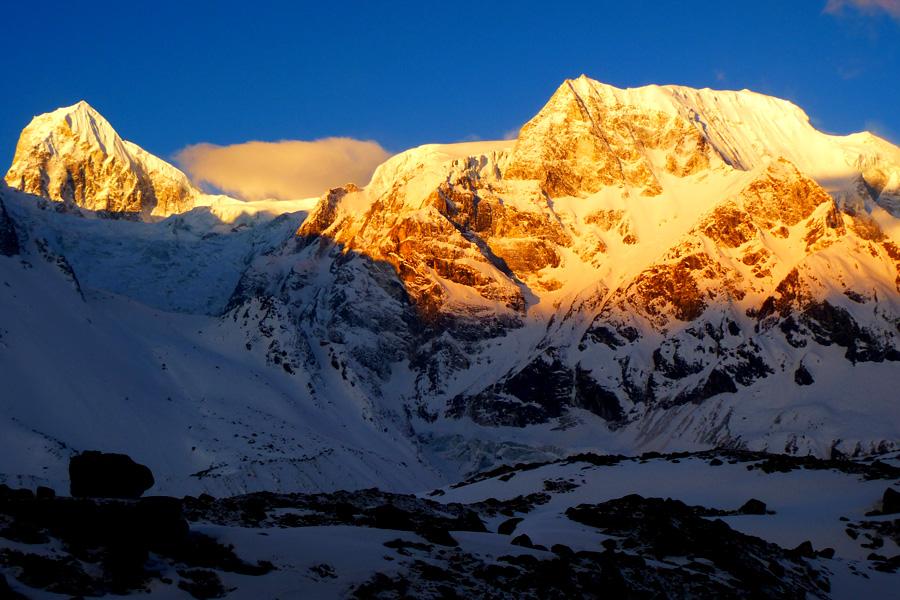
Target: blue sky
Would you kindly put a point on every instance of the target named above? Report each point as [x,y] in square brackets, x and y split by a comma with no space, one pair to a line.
[170,74]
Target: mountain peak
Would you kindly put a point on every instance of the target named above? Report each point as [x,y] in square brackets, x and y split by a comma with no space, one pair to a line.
[80,106]
[74,155]
[81,109]
[81,121]
[591,135]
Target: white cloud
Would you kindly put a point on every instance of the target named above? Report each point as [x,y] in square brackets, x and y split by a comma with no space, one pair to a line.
[288,169]
[891,7]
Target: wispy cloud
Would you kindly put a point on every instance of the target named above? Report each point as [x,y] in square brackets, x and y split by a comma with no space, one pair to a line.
[870,7]
[848,73]
[879,129]
[511,134]
[287,169]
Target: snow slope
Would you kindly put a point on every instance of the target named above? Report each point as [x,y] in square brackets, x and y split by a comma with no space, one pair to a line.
[188,262]
[86,368]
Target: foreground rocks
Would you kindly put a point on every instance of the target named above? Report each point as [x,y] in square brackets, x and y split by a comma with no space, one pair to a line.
[659,549]
[106,475]
[364,508]
[632,546]
[108,543]
[110,536]
[669,529]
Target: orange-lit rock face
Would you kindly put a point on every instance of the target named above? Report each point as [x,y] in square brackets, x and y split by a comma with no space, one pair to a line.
[584,139]
[784,196]
[432,242]
[866,227]
[672,289]
[454,231]
[729,226]
[613,220]
[463,233]
[97,183]
[725,258]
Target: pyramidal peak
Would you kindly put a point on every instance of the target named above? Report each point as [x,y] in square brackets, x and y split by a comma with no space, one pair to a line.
[74,155]
[80,120]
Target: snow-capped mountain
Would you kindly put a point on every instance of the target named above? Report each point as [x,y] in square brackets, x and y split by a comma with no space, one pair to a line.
[637,261]
[73,155]
[652,268]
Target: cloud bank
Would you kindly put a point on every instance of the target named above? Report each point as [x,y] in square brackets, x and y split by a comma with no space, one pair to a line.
[285,170]
[891,7]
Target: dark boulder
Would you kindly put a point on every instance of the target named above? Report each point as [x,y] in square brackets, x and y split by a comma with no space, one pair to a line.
[890,502]
[508,526]
[802,376]
[105,475]
[437,535]
[44,493]
[753,507]
[805,550]
[20,494]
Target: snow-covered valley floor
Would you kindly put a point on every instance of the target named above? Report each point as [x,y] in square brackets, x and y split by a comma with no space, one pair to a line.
[585,526]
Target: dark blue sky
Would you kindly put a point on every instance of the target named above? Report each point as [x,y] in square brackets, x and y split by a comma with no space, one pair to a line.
[169,74]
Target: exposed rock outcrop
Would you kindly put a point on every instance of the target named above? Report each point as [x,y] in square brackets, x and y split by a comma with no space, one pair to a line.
[9,240]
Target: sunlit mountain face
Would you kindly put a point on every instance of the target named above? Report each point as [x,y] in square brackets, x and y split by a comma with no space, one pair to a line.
[486,372]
